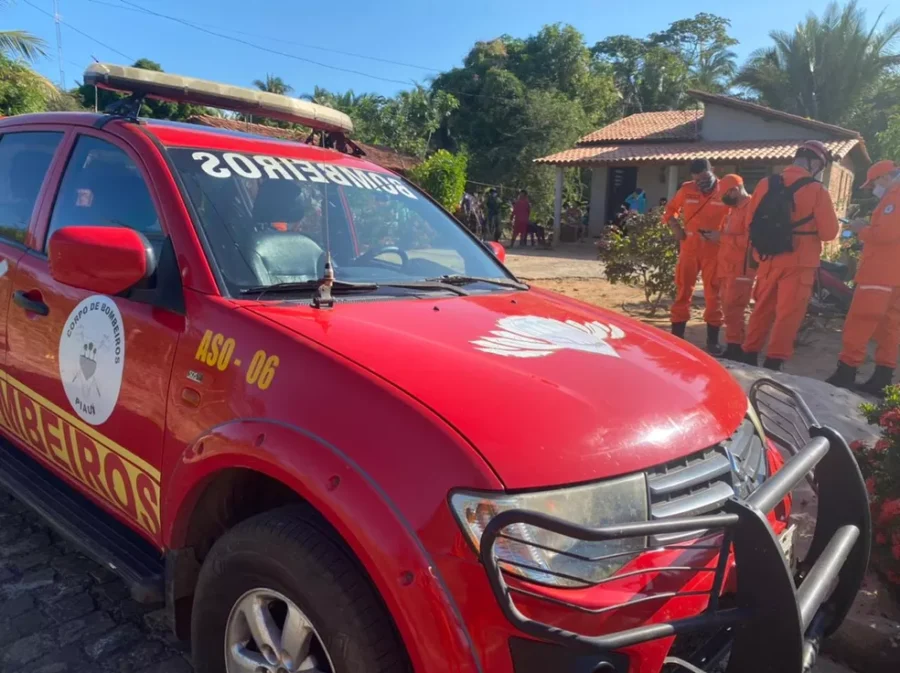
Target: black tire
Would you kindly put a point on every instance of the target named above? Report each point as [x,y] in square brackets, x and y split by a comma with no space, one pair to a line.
[288,550]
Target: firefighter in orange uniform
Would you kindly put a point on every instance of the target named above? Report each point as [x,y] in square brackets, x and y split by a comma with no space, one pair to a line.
[701,213]
[735,265]
[784,281]
[875,311]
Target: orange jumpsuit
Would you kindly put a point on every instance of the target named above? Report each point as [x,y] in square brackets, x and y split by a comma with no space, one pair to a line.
[875,311]
[784,283]
[735,271]
[696,255]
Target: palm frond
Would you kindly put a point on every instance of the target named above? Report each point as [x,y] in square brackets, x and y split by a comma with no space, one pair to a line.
[21,44]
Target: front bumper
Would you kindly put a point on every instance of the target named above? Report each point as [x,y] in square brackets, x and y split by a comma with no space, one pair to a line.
[777,617]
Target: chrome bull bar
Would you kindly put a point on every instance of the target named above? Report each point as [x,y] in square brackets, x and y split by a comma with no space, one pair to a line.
[778,617]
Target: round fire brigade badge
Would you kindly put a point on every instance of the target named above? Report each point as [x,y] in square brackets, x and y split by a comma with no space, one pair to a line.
[92,358]
[888,209]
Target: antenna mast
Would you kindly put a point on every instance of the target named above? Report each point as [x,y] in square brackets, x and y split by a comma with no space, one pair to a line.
[59,53]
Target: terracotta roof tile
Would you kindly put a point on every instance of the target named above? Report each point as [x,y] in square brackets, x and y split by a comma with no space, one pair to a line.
[670,125]
[377,154]
[667,153]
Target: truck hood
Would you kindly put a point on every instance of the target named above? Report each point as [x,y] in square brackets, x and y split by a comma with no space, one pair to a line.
[549,390]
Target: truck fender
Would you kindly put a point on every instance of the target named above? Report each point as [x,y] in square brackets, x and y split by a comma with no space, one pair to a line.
[372,526]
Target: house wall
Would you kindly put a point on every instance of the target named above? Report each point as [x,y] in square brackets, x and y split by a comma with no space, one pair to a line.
[597,214]
[839,181]
[653,180]
[724,123]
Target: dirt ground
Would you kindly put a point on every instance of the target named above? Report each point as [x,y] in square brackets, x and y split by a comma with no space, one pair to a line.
[574,270]
[817,349]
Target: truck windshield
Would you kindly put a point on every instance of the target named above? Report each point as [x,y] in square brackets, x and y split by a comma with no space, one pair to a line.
[269,220]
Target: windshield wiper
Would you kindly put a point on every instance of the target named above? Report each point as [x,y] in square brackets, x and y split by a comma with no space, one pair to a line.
[346,286]
[459,279]
[309,285]
[432,284]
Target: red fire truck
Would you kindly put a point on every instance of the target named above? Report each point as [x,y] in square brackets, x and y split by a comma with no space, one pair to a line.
[282,390]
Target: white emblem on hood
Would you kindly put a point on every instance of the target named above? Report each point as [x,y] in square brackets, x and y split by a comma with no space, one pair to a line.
[531,336]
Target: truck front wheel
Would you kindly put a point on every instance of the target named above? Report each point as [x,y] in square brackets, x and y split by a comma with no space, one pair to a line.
[277,595]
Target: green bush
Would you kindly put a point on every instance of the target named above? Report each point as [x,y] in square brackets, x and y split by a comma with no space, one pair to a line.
[21,89]
[880,465]
[643,256]
[443,175]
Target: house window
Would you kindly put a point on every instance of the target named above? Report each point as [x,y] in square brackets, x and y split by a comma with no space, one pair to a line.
[752,174]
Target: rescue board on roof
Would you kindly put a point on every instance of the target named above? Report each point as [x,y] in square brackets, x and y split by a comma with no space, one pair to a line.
[180,89]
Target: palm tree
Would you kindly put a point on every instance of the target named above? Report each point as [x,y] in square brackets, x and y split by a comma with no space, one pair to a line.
[18,43]
[825,67]
[714,70]
[273,84]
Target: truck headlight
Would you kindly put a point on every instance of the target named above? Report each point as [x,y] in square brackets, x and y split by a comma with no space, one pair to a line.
[541,556]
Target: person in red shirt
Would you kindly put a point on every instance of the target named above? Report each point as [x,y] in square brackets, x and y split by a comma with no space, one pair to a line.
[735,266]
[784,282]
[875,311]
[693,214]
[521,215]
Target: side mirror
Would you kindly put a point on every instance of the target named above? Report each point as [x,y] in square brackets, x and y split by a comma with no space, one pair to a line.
[106,260]
[498,250]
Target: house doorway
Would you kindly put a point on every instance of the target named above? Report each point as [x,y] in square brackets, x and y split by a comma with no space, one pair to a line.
[622,182]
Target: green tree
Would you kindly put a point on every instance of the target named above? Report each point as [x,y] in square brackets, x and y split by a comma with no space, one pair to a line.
[20,44]
[443,175]
[520,99]
[889,139]
[89,97]
[21,89]
[650,77]
[827,68]
[705,47]
[273,84]
[405,122]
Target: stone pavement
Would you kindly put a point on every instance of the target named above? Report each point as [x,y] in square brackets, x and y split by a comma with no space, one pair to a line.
[61,612]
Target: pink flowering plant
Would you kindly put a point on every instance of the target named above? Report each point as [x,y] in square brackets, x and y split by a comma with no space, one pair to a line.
[880,465]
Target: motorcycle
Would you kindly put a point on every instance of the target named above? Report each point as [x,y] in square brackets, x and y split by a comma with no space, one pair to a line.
[832,294]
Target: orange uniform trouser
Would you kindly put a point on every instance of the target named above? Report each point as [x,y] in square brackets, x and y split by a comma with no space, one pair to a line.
[736,292]
[782,295]
[874,313]
[697,258]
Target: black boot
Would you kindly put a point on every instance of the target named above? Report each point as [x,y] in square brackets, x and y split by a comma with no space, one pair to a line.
[712,340]
[733,352]
[751,359]
[678,329]
[774,364]
[880,379]
[843,377]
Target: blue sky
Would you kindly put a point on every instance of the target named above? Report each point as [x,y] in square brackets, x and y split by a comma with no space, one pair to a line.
[427,34]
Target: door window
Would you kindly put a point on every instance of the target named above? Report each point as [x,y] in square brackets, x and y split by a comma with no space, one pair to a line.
[102,186]
[24,160]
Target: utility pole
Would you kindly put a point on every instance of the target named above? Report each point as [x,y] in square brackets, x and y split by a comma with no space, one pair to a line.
[59,52]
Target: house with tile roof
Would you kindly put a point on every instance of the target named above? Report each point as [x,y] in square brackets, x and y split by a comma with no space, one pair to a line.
[652,150]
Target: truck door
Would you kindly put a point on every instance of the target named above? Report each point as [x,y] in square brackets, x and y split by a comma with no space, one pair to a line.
[91,372]
[25,158]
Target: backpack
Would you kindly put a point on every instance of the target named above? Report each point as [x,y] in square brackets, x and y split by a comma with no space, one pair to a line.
[772,227]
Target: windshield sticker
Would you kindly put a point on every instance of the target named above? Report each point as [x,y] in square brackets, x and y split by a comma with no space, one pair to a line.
[228,164]
[92,358]
[532,336]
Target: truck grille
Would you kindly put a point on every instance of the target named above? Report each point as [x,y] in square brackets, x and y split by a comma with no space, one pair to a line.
[702,482]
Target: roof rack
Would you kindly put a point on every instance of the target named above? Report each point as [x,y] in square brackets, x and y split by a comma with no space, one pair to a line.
[142,83]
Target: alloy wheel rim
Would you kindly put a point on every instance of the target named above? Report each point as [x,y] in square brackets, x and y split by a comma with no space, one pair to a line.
[267,633]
